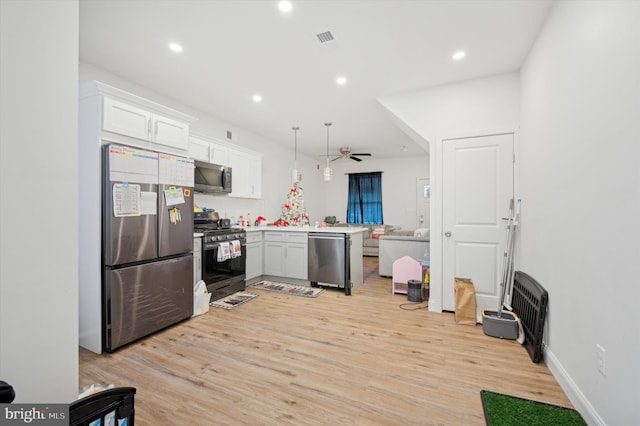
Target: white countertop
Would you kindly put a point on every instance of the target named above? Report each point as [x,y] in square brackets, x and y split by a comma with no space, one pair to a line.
[403,238]
[328,229]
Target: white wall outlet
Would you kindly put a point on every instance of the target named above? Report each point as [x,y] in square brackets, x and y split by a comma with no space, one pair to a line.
[600,352]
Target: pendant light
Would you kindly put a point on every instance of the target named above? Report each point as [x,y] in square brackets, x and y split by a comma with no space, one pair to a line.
[295,176]
[328,173]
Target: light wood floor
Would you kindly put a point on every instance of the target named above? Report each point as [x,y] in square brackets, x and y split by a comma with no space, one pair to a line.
[335,359]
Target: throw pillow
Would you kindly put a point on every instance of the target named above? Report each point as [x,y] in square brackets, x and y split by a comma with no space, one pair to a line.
[377,232]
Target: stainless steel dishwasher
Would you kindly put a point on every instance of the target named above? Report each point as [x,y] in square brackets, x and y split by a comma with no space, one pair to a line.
[329,255]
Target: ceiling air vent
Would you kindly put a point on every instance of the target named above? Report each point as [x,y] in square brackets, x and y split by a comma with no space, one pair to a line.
[325,36]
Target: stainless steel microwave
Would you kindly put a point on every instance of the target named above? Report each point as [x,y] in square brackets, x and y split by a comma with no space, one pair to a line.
[212,178]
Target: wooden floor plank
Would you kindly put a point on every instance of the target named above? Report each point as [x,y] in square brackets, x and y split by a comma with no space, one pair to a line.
[334,359]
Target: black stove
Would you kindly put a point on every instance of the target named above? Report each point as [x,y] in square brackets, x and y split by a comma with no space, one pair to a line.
[212,235]
[223,273]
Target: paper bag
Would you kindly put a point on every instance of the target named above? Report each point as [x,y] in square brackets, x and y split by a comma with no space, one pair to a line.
[465,301]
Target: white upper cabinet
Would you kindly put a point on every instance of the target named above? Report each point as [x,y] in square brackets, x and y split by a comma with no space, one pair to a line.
[246,165]
[199,148]
[204,149]
[125,119]
[167,131]
[246,174]
[219,154]
[128,118]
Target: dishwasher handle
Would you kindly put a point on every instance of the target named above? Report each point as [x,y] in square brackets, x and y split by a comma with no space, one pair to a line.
[326,235]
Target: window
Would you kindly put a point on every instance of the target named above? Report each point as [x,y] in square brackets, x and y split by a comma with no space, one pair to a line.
[365,198]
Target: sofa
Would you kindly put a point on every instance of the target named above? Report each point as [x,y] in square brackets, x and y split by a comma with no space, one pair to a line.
[394,247]
[371,239]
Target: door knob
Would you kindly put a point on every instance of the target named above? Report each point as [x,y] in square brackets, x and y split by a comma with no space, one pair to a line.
[447,234]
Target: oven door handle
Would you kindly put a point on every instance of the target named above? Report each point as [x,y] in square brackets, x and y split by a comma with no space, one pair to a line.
[211,246]
[214,245]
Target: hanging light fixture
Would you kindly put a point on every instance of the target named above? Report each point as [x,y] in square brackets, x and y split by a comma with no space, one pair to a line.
[328,173]
[295,176]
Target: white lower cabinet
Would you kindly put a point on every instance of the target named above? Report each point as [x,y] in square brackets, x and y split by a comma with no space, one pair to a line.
[274,258]
[254,255]
[285,254]
[296,259]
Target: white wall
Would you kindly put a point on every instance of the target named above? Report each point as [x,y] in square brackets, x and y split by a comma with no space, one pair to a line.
[277,161]
[467,108]
[399,179]
[579,100]
[321,198]
[472,105]
[38,154]
[581,199]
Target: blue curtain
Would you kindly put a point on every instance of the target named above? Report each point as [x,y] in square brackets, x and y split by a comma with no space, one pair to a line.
[365,198]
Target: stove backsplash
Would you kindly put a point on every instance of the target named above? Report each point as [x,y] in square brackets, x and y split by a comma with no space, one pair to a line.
[232,208]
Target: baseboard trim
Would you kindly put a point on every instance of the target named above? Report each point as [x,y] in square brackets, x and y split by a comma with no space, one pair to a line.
[575,395]
[434,306]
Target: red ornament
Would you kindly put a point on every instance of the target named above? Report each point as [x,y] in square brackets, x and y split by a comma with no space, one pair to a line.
[287,206]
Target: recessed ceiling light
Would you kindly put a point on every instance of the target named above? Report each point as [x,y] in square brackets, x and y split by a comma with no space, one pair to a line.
[175,47]
[459,55]
[285,6]
[342,80]
[257,98]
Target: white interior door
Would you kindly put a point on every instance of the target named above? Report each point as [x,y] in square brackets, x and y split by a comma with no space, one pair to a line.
[423,196]
[477,185]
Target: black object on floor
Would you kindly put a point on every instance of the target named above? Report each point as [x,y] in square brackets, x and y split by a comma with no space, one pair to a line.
[111,406]
[530,302]
[7,394]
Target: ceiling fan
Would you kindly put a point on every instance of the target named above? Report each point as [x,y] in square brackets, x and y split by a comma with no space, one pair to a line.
[346,152]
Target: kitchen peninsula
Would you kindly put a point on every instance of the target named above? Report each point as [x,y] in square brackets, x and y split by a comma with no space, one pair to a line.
[283,253]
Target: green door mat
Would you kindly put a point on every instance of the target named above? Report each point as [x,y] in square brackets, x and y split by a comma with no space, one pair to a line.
[505,410]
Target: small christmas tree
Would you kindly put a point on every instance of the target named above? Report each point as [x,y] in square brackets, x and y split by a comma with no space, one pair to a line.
[293,212]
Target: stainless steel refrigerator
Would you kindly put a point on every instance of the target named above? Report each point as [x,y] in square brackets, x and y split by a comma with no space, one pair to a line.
[147,234]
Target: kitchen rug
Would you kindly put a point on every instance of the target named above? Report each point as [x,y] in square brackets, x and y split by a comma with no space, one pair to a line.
[233,301]
[296,290]
[505,410]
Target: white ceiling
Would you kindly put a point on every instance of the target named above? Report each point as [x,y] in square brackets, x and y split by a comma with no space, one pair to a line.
[236,48]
